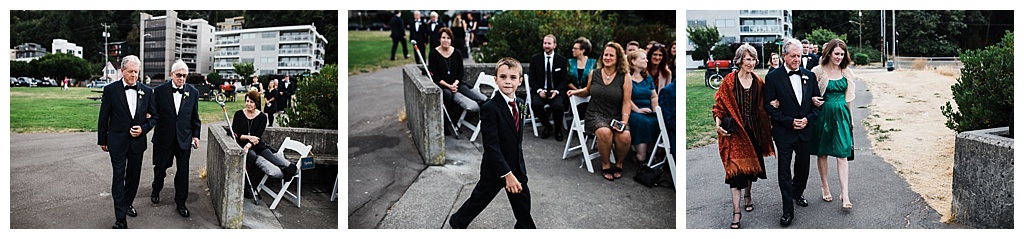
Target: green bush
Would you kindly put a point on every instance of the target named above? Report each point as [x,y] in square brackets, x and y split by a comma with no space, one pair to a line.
[873,55]
[860,58]
[519,34]
[984,91]
[315,103]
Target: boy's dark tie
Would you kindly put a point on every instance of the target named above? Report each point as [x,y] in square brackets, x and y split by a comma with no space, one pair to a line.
[515,114]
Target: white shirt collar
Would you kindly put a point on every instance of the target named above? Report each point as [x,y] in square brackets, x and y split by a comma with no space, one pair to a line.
[787,68]
[126,83]
[506,97]
[552,55]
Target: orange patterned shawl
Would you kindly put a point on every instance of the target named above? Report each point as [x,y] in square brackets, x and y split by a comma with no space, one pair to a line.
[737,151]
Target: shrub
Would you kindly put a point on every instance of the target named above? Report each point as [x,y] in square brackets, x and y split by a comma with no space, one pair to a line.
[984,91]
[919,64]
[860,58]
[873,55]
[315,102]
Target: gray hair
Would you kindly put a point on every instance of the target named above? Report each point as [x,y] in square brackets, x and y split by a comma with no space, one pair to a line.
[130,58]
[788,42]
[179,65]
[433,14]
[742,51]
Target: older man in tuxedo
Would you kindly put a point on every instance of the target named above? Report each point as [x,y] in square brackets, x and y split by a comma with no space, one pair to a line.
[126,115]
[789,96]
[177,132]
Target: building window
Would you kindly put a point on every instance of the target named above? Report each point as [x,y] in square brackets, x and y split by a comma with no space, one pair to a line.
[268,48]
[249,36]
[725,23]
[267,60]
[266,72]
[697,23]
[246,60]
[249,48]
[269,34]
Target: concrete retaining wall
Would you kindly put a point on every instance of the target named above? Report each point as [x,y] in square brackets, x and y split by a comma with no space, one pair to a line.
[225,163]
[983,179]
[424,115]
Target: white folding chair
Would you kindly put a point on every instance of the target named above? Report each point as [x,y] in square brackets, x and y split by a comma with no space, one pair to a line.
[576,129]
[664,143]
[296,196]
[486,80]
[532,120]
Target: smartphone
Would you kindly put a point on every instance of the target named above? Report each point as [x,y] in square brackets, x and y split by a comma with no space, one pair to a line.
[195,146]
[618,125]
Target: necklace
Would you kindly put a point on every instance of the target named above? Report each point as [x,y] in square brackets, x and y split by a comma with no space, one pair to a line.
[447,64]
[607,75]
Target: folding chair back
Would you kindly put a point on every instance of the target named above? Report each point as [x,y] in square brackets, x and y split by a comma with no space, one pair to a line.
[482,80]
[665,143]
[532,119]
[296,196]
[576,130]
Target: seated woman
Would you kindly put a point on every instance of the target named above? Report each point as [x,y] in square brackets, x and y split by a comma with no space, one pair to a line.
[446,68]
[609,102]
[249,125]
[643,122]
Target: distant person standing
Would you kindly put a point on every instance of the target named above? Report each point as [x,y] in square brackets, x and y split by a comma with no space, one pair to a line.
[287,90]
[418,35]
[398,34]
[435,26]
[66,82]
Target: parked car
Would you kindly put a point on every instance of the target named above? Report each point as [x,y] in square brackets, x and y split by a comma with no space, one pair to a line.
[14,82]
[26,81]
[379,26]
[97,84]
[46,83]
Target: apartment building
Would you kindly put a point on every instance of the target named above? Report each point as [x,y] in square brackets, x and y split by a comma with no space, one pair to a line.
[168,38]
[285,50]
[736,26]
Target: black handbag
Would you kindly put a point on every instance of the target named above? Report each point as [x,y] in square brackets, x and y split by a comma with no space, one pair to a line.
[648,176]
[729,124]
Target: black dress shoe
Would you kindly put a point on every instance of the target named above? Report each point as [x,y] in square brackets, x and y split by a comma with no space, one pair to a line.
[558,136]
[800,201]
[544,134]
[154,198]
[120,224]
[131,212]
[787,218]
[183,211]
[451,222]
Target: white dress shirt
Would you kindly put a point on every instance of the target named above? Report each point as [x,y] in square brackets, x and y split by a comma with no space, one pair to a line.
[177,98]
[798,89]
[132,96]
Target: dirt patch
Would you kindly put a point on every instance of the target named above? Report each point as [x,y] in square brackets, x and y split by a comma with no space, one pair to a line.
[907,129]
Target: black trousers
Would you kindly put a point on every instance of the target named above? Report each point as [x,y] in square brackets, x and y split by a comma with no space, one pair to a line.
[125,184]
[556,110]
[484,192]
[394,46]
[792,185]
[164,158]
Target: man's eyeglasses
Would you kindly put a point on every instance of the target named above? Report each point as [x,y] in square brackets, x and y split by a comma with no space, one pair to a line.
[180,75]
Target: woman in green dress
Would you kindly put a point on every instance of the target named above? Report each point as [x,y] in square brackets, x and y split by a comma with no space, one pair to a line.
[833,129]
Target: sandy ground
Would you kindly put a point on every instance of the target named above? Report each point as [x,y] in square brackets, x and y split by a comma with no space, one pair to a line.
[908,130]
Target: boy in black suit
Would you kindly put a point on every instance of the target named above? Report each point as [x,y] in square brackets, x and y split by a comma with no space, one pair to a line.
[502,165]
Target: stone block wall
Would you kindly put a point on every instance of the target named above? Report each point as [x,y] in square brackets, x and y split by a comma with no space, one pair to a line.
[224,164]
[424,115]
[983,179]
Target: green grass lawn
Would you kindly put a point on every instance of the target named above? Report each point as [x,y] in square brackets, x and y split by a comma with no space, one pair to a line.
[699,100]
[369,51]
[36,110]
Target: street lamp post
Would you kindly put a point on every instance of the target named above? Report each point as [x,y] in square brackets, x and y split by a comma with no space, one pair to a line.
[106,48]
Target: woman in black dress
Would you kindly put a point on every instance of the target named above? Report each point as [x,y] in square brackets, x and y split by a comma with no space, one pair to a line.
[272,106]
[248,125]
[446,67]
[459,35]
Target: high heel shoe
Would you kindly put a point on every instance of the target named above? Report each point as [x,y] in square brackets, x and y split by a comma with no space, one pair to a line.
[749,207]
[846,203]
[736,224]
[824,197]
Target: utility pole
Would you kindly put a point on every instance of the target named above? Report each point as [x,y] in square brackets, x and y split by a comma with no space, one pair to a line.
[106,54]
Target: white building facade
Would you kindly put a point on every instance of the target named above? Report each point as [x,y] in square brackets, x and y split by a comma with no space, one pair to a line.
[63,46]
[167,38]
[736,26]
[287,50]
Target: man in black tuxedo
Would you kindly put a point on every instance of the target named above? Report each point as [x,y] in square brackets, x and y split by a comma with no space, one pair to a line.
[434,27]
[397,26]
[794,90]
[288,88]
[502,165]
[548,83]
[177,132]
[809,59]
[126,116]
[418,33]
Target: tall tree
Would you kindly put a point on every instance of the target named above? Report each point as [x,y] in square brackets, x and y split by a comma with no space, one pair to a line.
[244,69]
[704,38]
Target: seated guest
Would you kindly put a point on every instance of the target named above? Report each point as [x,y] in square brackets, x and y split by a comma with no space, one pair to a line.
[667,102]
[609,102]
[248,125]
[642,124]
[445,63]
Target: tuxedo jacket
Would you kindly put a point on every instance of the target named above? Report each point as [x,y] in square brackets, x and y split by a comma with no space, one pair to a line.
[176,128]
[503,151]
[809,61]
[397,26]
[778,86]
[435,34]
[116,119]
[419,34]
[559,69]
[289,89]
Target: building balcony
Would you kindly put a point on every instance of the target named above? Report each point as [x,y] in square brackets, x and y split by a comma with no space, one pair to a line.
[774,30]
[296,38]
[295,64]
[228,42]
[762,13]
[294,51]
[224,65]
[227,53]
[189,41]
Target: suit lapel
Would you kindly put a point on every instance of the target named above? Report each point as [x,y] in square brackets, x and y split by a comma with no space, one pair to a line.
[119,94]
[789,87]
[506,113]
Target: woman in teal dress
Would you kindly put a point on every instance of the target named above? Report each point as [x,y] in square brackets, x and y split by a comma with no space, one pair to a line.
[642,122]
[580,66]
[833,127]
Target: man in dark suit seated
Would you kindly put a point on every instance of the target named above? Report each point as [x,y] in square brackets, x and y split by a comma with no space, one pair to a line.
[177,132]
[502,165]
[547,78]
[793,90]
[126,115]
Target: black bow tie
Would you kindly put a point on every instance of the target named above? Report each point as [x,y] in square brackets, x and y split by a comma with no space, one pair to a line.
[794,72]
[179,91]
[131,87]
